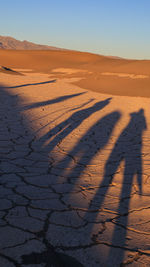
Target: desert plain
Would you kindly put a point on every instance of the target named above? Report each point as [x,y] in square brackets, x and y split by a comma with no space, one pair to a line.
[75,160]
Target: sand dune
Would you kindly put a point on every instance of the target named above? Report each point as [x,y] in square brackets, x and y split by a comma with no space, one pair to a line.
[94,72]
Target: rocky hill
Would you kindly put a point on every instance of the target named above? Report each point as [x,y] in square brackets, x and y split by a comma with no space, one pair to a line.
[7,42]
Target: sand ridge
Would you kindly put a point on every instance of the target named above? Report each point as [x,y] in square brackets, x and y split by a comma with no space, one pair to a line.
[128,75]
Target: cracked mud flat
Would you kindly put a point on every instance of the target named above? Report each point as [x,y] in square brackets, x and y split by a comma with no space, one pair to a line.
[74,175]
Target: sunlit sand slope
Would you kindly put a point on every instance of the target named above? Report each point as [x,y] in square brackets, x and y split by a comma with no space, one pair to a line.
[97,73]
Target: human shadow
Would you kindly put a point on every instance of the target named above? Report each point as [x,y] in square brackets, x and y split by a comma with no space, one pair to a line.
[63,111]
[66,127]
[30,84]
[51,101]
[128,149]
[13,130]
[91,143]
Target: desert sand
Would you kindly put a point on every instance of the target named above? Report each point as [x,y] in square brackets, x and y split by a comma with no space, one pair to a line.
[75,173]
[97,73]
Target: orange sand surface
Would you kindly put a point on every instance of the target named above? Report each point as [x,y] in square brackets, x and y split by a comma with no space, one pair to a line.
[94,72]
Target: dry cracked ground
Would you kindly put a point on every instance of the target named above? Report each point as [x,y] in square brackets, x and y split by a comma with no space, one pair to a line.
[74,175]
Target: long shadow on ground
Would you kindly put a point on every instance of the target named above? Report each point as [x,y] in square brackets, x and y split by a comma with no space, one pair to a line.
[128,149]
[51,101]
[91,143]
[63,129]
[31,84]
[15,136]
[18,138]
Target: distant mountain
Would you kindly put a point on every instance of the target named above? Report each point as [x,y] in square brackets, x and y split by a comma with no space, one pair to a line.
[7,42]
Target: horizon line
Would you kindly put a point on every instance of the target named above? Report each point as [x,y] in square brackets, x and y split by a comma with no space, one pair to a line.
[69,49]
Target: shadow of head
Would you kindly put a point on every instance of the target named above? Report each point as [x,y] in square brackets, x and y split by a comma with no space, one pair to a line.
[138,113]
[138,119]
[102,103]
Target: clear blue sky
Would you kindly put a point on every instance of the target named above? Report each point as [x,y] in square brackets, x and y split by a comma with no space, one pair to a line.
[109,27]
